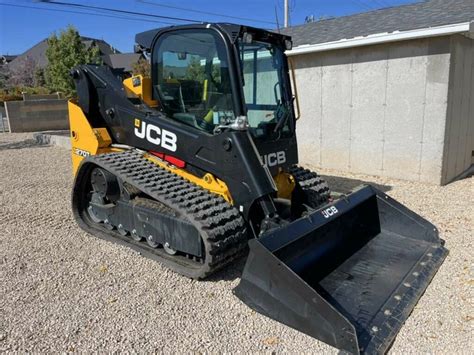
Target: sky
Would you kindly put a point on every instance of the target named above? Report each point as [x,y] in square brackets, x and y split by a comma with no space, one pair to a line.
[28,22]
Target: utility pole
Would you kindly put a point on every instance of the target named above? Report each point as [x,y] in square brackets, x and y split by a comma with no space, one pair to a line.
[286,11]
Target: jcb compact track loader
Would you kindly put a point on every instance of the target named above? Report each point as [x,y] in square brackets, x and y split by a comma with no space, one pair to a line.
[194,164]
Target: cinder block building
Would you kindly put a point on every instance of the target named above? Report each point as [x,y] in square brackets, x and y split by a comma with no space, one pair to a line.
[389,92]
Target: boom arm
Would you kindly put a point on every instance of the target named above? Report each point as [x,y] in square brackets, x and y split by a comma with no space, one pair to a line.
[230,155]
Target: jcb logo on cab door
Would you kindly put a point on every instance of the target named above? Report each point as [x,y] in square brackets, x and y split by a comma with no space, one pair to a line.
[328,212]
[156,135]
[274,159]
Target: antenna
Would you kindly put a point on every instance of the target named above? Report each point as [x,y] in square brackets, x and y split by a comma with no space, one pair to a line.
[286,12]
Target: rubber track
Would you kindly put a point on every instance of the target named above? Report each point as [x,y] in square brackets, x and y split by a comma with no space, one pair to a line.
[315,188]
[222,228]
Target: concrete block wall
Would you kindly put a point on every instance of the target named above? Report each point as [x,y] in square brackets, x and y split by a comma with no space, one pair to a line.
[41,115]
[256,89]
[459,136]
[378,110]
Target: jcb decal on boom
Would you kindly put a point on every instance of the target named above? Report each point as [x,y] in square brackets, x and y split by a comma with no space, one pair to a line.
[274,159]
[156,135]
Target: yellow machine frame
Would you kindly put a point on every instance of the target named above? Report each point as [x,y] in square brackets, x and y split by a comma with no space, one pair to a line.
[141,87]
[86,140]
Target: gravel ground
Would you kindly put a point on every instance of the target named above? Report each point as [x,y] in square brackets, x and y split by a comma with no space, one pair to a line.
[63,290]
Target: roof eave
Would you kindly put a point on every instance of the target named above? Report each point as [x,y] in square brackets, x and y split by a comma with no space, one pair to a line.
[466,28]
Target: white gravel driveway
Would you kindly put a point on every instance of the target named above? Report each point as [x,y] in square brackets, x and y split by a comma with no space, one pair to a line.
[63,290]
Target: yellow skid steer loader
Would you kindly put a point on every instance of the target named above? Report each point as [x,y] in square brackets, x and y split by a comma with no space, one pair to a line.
[197,165]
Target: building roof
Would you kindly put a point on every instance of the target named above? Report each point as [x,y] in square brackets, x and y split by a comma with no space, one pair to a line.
[104,47]
[38,52]
[420,15]
[6,58]
[121,61]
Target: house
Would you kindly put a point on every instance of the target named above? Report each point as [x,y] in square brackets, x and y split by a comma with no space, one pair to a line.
[122,61]
[389,92]
[6,58]
[110,56]
[37,53]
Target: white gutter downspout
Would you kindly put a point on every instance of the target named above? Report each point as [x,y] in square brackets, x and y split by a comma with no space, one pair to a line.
[466,28]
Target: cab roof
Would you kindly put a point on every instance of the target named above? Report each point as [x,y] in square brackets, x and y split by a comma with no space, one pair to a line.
[145,40]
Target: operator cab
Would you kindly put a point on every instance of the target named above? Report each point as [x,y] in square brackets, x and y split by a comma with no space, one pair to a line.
[207,76]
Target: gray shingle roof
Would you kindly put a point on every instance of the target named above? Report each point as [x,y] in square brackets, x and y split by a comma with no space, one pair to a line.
[422,14]
[122,61]
[38,52]
[7,58]
[104,47]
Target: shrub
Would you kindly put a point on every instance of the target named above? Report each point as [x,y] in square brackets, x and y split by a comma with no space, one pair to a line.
[16,93]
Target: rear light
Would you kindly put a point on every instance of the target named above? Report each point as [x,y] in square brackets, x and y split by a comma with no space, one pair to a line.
[170,159]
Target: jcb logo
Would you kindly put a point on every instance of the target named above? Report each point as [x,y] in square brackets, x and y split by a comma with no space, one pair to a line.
[274,159]
[156,135]
[328,212]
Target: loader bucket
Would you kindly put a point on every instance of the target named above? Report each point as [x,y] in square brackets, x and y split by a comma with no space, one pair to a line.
[348,274]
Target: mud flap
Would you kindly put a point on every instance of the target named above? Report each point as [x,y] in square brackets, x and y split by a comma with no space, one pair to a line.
[349,274]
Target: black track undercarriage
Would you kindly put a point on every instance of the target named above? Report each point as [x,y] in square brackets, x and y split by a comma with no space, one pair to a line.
[157,213]
[125,198]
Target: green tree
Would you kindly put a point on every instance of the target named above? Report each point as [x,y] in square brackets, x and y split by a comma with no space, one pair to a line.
[64,53]
[142,67]
[39,77]
[195,71]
